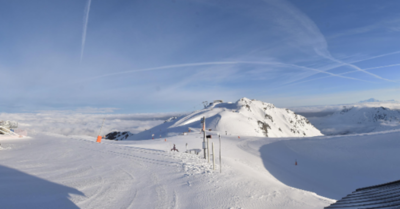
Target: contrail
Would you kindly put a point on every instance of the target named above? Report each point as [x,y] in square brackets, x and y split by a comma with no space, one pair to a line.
[162,67]
[353,71]
[369,58]
[365,69]
[371,68]
[291,84]
[381,67]
[374,57]
[301,67]
[220,63]
[351,65]
[362,70]
[331,74]
[85,23]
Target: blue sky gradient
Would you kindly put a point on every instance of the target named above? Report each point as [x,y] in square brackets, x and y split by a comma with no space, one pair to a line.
[169,56]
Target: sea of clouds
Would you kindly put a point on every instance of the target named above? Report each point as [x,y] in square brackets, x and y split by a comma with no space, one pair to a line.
[66,123]
[88,121]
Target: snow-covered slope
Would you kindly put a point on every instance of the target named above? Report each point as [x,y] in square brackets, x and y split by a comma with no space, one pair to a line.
[54,171]
[243,118]
[359,119]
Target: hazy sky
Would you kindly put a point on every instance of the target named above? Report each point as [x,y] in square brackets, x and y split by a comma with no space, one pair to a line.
[170,55]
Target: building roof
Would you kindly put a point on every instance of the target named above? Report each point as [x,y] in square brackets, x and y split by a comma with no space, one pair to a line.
[379,196]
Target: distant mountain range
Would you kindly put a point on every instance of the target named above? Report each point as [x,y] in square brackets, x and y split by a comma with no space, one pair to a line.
[358,119]
[375,100]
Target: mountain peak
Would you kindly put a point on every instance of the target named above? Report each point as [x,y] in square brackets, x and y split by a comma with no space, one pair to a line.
[245,117]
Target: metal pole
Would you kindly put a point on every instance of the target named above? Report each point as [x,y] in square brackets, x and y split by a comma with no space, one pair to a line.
[204,137]
[208,151]
[212,144]
[220,164]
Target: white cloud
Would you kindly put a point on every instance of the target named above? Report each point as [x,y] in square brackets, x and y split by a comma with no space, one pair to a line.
[84,124]
[82,110]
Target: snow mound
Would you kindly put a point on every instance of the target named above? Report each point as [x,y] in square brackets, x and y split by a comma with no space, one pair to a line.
[243,118]
[355,119]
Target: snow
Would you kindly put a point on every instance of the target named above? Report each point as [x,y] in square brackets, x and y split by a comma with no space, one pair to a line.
[48,170]
[358,119]
[243,118]
[257,172]
[78,172]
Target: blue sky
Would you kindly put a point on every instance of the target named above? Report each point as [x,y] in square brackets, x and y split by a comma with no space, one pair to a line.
[170,55]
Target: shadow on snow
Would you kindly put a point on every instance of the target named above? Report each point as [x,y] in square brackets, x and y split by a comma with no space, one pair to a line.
[21,190]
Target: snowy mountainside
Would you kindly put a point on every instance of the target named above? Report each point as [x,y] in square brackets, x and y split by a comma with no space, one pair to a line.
[243,118]
[359,119]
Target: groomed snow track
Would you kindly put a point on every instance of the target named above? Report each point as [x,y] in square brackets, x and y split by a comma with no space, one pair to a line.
[378,196]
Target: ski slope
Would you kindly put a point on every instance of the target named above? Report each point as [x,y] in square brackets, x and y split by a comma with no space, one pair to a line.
[79,173]
[257,172]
